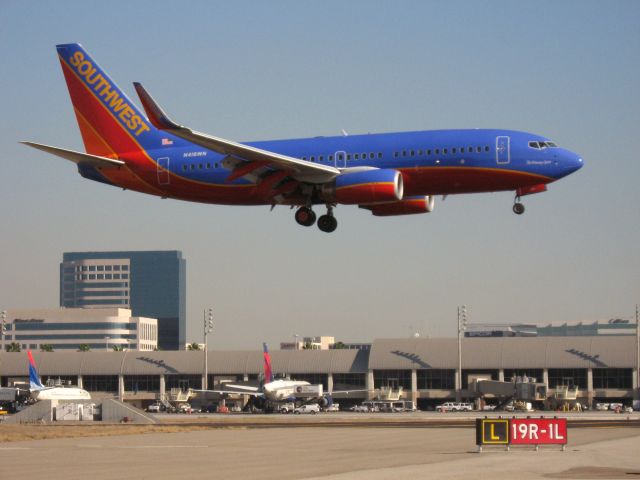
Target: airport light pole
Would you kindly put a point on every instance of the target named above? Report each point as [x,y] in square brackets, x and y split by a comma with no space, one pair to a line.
[637,395]
[107,339]
[208,328]
[3,329]
[296,339]
[462,326]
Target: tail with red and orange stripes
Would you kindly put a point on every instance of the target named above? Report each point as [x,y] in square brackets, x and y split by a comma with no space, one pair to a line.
[109,122]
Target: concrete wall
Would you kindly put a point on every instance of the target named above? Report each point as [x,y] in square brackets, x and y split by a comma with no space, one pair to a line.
[116,411]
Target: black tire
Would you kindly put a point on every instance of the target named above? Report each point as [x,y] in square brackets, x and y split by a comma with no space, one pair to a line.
[518,208]
[327,223]
[305,216]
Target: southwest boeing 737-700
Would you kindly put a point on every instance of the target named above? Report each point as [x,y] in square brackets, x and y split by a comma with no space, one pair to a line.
[388,174]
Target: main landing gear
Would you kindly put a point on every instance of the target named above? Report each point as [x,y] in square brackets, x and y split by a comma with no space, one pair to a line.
[518,208]
[307,217]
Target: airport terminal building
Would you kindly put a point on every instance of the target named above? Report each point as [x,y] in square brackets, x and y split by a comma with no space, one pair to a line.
[603,367]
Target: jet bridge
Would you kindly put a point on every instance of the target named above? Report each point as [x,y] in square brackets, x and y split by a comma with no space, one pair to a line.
[520,390]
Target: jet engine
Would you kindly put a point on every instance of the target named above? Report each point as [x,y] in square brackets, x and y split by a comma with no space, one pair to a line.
[366,186]
[406,206]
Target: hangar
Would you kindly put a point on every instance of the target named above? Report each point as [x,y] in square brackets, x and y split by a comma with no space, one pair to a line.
[602,367]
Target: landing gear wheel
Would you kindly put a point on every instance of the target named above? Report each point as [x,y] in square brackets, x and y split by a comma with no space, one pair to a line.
[518,208]
[305,216]
[327,223]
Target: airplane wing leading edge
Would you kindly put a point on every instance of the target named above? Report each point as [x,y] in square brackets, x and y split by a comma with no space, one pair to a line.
[301,170]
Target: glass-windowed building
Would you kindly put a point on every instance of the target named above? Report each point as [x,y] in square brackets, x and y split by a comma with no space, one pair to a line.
[149,283]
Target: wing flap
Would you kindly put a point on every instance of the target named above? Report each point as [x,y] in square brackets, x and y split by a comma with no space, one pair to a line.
[78,157]
[301,170]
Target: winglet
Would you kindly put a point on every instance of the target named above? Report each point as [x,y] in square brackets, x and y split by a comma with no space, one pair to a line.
[156,115]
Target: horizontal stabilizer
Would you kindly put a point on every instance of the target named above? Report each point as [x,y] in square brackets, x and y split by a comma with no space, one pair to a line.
[78,157]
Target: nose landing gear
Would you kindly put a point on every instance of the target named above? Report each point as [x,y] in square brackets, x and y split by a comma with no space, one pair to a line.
[518,208]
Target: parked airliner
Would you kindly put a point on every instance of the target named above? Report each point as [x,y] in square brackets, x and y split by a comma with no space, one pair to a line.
[41,392]
[277,391]
[273,390]
[387,174]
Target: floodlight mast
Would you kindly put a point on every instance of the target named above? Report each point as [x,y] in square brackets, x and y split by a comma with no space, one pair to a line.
[3,327]
[208,328]
[637,391]
[462,326]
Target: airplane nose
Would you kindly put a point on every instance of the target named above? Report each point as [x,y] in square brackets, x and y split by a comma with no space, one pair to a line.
[576,162]
[572,162]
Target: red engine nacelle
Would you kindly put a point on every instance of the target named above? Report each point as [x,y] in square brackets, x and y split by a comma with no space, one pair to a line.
[406,206]
[368,186]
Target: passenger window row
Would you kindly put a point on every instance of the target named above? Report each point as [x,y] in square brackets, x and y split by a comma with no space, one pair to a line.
[355,156]
[199,166]
[438,151]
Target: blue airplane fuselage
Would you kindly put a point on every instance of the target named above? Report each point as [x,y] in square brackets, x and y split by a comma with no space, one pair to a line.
[387,173]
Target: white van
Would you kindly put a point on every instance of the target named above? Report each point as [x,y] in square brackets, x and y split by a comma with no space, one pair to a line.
[308,408]
[454,407]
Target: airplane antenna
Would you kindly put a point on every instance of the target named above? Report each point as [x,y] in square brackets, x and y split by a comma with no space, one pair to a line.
[344,133]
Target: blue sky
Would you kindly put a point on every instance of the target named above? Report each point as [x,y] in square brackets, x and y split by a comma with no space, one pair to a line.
[264,70]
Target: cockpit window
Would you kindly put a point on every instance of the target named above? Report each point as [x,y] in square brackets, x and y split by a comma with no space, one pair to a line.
[541,145]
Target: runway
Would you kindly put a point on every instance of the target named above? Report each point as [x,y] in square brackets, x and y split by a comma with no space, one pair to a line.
[321,452]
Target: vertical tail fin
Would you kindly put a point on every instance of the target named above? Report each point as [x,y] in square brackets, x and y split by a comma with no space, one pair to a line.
[268,374]
[34,379]
[109,122]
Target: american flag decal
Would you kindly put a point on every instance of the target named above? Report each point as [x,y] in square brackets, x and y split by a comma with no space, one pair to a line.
[166,141]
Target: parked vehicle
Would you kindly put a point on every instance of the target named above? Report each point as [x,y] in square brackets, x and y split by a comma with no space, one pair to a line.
[156,407]
[454,407]
[312,408]
[366,407]
[184,408]
[403,406]
[334,407]
[446,407]
[360,408]
[287,407]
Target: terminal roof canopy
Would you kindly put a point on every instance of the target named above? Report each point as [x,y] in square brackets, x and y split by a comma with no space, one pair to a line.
[385,354]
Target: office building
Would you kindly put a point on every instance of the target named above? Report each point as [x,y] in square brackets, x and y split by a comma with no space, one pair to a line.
[150,283]
[69,328]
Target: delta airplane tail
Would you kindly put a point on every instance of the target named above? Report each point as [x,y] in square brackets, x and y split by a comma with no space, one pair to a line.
[110,123]
[34,379]
[268,373]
